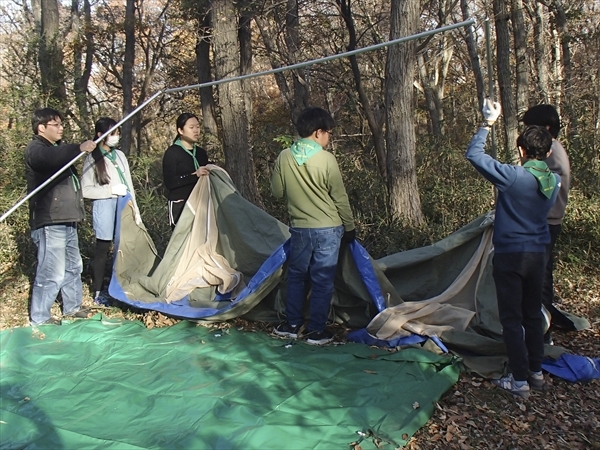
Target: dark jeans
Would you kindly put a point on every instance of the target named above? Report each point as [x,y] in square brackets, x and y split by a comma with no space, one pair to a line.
[99,264]
[313,253]
[519,278]
[548,289]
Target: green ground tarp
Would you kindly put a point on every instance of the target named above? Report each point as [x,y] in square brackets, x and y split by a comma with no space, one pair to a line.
[117,385]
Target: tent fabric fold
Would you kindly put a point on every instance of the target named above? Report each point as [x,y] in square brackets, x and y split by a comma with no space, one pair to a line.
[227,258]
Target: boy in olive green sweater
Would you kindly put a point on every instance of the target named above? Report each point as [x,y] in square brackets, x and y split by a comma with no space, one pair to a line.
[310,180]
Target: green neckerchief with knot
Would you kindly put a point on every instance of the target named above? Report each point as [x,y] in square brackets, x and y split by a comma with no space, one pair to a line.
[545,178]
[111,155]
[192,153]
[303,149]
[74,179]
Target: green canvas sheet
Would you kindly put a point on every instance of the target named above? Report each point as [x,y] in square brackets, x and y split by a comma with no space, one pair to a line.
[117,385]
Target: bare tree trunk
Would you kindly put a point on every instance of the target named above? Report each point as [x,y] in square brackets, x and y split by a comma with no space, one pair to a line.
[81,75]
[504,82]
[128,61]
[292,39]
[245,38]
[203,65]
[50,56]
[375,126]
[473,55]
[295,92]
[435,121]
[268,37]
[432,74]
[405,202]
[236,142]
[520,37]
[567,71]
[556,70]
[540,31]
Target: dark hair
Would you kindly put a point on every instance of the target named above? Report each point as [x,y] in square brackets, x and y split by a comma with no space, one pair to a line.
[103,124]
[312,119]
[182,120]
[536,141]
[544,116]
[42,116]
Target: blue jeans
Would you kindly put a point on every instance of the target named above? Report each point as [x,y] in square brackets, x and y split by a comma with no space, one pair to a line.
[59,269]
[313,253]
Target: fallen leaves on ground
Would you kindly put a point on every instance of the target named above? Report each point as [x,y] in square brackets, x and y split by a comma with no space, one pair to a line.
[473,414]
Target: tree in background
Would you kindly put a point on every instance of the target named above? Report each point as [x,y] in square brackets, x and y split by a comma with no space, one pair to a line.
[504,68]
[232,99]
[50,54]
[405,202]
[173,48]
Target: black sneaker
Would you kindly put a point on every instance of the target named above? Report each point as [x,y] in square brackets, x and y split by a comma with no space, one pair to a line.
[50,321]
[287,330]
[82,313]
[536,381]
[319,338]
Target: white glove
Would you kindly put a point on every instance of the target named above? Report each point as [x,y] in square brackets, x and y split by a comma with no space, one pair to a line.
[491,111]
[118,189]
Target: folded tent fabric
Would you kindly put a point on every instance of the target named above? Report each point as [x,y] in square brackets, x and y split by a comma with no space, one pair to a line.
[448,284]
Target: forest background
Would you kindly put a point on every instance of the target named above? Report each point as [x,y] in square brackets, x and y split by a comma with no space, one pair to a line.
[404,114]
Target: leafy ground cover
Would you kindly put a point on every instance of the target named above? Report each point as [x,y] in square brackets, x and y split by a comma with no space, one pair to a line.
[473,414]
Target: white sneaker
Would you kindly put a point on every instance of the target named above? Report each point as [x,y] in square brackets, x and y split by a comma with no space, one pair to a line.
[508,384]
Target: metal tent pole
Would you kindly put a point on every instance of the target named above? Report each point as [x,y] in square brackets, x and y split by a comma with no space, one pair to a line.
[242,77]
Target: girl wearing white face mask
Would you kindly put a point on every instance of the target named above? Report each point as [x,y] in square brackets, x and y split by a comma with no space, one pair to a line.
[105,177]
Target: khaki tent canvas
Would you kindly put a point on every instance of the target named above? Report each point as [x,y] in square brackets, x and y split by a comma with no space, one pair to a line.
[226,258]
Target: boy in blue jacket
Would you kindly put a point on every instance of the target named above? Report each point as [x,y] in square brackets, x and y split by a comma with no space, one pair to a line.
[525,195]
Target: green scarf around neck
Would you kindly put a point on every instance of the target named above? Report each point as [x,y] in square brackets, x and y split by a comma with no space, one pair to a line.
[303,149]
[111,155]
[191,153]
[545,178]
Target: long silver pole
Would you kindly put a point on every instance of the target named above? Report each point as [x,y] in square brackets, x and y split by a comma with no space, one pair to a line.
[244,77]
[488,48]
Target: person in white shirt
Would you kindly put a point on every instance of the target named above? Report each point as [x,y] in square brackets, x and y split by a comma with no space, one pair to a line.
[106,176]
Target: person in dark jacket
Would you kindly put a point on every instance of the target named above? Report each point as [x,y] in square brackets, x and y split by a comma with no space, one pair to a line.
[53,216]
[183,163]
[558,162]
[525,195]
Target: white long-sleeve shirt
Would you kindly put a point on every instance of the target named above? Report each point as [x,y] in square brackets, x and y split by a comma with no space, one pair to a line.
[93,189]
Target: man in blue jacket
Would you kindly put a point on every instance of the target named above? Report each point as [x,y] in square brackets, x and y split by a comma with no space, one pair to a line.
[525,195]
[53,216]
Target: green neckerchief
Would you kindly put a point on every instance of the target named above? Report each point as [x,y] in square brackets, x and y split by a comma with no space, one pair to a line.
[192,153]
[112,157]
[545,178]
[74,179]
[303,149]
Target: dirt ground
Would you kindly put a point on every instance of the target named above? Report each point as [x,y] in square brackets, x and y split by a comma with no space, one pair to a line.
[473,414]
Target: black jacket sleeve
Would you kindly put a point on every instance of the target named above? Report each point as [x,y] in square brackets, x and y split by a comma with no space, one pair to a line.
[46,158]
[177,171]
